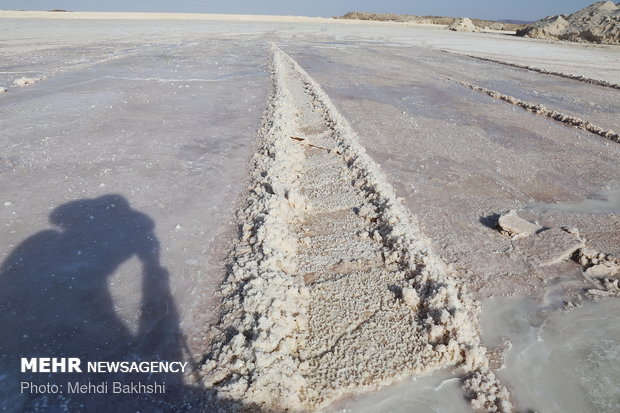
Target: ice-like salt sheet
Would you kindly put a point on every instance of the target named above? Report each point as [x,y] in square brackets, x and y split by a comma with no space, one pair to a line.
[439,393]
[558,362]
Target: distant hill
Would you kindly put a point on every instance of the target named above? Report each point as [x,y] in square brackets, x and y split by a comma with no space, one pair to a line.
[597,23]
[498,25]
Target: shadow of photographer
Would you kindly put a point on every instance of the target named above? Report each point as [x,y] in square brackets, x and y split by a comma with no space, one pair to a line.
[55,301]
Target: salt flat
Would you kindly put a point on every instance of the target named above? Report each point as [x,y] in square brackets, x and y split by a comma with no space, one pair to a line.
[124,163]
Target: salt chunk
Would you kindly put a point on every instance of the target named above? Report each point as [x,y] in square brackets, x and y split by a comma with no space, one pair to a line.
[24,81]
[517,226]
[410,297]
[601,270]
[550,247]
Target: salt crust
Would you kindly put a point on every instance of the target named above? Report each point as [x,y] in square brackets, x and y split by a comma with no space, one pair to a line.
[263,355]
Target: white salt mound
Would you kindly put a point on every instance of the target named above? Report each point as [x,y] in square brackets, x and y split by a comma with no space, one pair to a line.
[548,28]
[464,25]
[597,23]
[24,81]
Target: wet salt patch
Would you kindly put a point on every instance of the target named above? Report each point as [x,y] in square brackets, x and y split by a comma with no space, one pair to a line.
[561,361]
[607,202]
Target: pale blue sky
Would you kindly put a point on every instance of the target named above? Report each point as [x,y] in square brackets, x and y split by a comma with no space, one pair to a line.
[489,9]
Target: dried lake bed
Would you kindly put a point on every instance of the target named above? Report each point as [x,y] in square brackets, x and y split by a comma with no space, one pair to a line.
[127,152]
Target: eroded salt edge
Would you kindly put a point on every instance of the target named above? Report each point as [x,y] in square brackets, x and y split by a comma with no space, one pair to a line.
[254,362]
[580,78]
